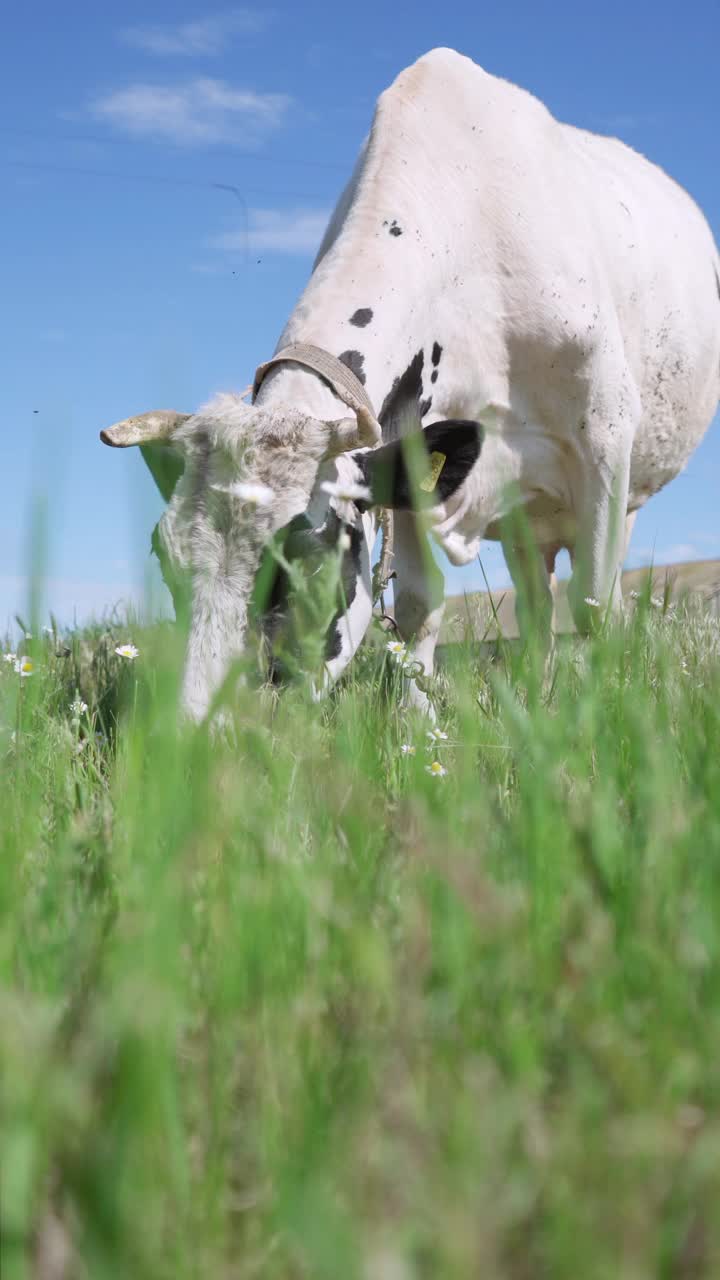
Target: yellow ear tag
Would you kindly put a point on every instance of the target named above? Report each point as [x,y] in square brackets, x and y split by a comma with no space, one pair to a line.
[437,462]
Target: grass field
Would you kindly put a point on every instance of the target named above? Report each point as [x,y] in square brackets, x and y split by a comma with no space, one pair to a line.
[292,1006]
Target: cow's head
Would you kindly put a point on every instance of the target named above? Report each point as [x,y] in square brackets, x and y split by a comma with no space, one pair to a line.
[237,476]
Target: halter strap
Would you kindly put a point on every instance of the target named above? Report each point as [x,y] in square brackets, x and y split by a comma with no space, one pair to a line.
[341,380]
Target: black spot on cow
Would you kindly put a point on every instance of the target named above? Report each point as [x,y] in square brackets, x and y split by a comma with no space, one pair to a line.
[404,396]
[425,406]
[436,353]
[354,361]
[395,230]
[350,573]
[272,592]
[385,469]
[434,375]
[361,317]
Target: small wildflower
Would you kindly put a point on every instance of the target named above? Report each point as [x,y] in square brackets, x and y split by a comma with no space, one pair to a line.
[436,769]
[127,651]
[408,749]
[346,492]
[10,657]
[436,735]
[634,595]
[592,602]
[256,495]
[656,602]
[78,707]
[24,667]
[397,649]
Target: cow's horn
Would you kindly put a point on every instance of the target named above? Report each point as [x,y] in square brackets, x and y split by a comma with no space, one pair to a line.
[369,429]
[353,433]
[145,428]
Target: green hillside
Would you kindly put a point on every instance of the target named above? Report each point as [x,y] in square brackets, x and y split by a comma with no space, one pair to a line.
[697,578]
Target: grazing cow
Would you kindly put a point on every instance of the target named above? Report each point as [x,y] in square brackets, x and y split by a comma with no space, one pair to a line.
[541,304]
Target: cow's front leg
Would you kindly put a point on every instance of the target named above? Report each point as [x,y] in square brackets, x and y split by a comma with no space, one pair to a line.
[595,585]
[532,571]
[419,602]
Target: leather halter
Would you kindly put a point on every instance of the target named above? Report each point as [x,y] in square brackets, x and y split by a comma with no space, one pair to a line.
[340,379]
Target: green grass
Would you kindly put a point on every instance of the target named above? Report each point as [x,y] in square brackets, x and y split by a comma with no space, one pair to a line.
[288,1006]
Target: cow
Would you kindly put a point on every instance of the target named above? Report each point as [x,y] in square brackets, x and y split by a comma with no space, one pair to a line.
[539,305]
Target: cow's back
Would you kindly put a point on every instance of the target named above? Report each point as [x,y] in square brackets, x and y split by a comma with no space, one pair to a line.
[526,249]
[564,240]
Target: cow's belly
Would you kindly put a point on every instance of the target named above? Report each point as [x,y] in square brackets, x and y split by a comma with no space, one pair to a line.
[663,445]
[550,523]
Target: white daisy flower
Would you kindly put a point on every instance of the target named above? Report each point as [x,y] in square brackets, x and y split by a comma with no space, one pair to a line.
[10,657]
[256,495]
[592,602]
[78,707]
[397,649]
[634,595]
[408,749]
[656,602]
[346,492]
[436,769]
[127,651]
[436,735]
[24,667]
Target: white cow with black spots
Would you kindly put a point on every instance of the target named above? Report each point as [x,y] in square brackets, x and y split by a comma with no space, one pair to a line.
[485,265]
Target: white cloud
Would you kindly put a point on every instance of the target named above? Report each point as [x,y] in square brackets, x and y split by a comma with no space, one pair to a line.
[204,37]
[200,111]
[676,553]
[295,231]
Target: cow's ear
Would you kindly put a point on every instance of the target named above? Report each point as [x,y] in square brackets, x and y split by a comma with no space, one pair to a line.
[424,468]
[165,464]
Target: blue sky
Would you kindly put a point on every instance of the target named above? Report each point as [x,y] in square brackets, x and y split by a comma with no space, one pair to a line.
[166,173]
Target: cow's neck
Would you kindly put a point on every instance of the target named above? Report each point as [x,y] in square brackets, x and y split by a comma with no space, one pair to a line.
[391,367]
[363,305]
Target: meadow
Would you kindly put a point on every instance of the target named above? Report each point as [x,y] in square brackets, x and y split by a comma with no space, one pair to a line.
[285,1003]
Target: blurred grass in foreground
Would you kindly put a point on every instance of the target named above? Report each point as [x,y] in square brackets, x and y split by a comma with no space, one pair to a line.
[292,1007]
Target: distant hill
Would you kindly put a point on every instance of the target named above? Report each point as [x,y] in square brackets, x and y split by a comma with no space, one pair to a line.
[700,578]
